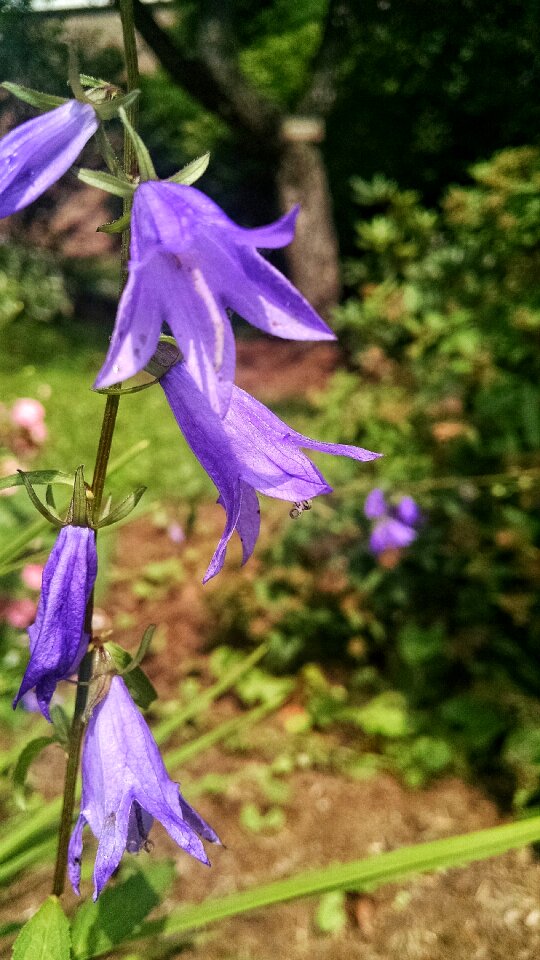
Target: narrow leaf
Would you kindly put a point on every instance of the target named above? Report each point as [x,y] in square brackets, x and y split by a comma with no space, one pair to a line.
[79,504]
[106,181]
[36,478]
[123,509]
[61,725]
[137,682]
[20,771]
[49,498]
[144,646]
[116,226]
[99,927]
[43,101]
[40,507]
[45,936]
[110,108]
[144,160]
[192,171]
[372,872]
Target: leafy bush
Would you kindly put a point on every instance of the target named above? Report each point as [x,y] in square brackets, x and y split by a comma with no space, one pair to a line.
[442,336]
[30,285]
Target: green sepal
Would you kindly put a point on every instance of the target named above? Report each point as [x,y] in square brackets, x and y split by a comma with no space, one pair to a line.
[144,647]
[166,356]
[43,101]
[87,81]
[46,936]
[136,680]
[106,181]
[37,477]
[61,725]
[78,508]
[40,507]
[144,160]
[116,226]
[122,510]
[108,109]
[191,172]
[122,391]
[21,768]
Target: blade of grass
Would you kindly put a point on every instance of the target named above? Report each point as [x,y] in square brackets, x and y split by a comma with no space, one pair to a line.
[369,873]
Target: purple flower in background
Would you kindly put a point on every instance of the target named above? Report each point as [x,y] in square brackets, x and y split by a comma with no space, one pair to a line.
[124,786]
[37,153]
[248,450]
[395,526]
[57,638]
[189,265]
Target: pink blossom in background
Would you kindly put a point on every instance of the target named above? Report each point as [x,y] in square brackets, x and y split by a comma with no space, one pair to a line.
[175,533]
[19,613]
[27,413]
[31,575]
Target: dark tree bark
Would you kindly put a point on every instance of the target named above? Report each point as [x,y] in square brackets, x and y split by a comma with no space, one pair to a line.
[210,75]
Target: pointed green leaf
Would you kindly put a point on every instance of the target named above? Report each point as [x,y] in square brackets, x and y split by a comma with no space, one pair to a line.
[46,935]
[123,509]
[192,171]
[43,101]
[106,181]
[37,477]
[37,502]
[116,226]
[49,499]
[99,927]
[61,725]
[137,682]
[144,646]
[111,108]
[21,768]
[87,81]
[78,510]
[144,160]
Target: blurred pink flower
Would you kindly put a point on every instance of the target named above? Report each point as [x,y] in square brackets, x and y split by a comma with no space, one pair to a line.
[175,533]
[31,575]
[27,413]
[20,613]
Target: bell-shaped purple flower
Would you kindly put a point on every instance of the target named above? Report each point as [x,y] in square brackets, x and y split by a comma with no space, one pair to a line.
[189,265]
[396,525]
[58,640]
[37,153]
[247,450]
[124,787]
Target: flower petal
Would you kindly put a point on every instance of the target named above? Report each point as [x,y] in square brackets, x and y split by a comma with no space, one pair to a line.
[375,504]
[37,153]
[390,534]
[408,511]
[75,853]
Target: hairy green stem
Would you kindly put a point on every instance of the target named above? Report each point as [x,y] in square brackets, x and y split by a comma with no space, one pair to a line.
[98,485]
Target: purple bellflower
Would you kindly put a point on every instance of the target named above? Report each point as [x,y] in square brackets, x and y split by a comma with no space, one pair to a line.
[58,641]
[246,451]
[189,265]
[395,526]
[37,153]
[124,786]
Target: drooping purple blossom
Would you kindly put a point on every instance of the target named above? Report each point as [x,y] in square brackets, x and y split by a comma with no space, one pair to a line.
[124,787]
[58,640]
[395,526]
[246,451]
[37,153]
[189,265]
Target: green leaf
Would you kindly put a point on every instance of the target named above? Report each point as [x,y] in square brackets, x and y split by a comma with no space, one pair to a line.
[60,724]
[106,181]
[116,226]
[45,936]
[144,160]
[136,680]
[144,646]
[40,507]
[123,509]
[99,927]
[107,109]
[191,172]
[20,771]
[37,477]
[331,916]
[43,101]
[79,503]
[371,873]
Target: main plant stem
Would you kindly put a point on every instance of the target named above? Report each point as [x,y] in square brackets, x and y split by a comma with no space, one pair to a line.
[98,484]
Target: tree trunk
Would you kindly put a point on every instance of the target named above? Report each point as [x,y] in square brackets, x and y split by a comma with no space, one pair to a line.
[313,257]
